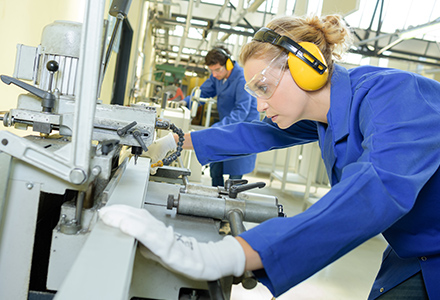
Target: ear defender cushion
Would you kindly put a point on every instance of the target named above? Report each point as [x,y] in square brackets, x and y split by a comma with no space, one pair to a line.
[305,76]
[229,64]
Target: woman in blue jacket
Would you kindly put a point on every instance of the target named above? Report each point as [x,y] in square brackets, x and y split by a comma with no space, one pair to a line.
[378,133]
[234,105]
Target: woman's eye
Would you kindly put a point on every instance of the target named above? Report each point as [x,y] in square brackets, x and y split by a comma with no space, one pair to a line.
[262,88]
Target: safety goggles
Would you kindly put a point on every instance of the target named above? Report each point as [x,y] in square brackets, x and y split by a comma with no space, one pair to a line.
[264,84]
[217,71]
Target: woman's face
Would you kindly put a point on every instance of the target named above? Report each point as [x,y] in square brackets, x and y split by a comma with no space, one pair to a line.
[288,102]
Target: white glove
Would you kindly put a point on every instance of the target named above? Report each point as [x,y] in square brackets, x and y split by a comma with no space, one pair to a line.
[159,149]
[199,261]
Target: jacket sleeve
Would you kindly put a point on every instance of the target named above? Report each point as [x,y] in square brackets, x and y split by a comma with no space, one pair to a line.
[226,142]
[242,105]
[208,88]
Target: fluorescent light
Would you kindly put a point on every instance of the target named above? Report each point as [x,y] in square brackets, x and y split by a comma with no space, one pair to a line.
[412,33]
[419,30]
[390,45]
[199,22]
[189,73]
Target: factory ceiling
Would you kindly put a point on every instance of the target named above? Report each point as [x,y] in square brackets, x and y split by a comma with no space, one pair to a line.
[395,29]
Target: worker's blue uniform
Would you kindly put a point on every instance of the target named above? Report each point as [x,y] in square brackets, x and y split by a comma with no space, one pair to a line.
[234,105]
[381,148]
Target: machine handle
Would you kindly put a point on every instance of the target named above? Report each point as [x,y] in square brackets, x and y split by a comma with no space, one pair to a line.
[235,218]
[52,66]
[107,146]
[215,290]
[48,98]
[123,131]
[231,182]
[235,189]
[138,136]
[248,281]
[31,89]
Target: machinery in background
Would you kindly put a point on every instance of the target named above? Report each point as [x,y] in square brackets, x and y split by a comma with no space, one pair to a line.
[169,74]
[52,244]
[202,108]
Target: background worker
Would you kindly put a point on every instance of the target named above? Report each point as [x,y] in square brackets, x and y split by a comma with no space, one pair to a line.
[379,138]
[178,96]
[234,105]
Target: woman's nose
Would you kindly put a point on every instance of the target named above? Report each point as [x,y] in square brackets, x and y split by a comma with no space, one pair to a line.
[262,105]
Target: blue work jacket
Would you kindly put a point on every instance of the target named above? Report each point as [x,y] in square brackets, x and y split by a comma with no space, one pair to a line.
[234,105]
[381,149]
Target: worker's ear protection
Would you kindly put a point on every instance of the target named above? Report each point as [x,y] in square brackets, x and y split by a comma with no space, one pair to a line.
[229,63]
[306,62]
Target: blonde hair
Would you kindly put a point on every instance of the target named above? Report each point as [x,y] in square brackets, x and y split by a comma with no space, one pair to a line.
[329,33]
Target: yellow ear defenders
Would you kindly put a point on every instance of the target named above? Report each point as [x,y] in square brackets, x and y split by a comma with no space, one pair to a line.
[306,62]
[229,63]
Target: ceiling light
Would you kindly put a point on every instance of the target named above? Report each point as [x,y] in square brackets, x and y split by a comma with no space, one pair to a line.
[419,30]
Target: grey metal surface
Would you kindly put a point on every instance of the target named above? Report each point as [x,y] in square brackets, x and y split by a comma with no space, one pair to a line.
[236,222]
[203,229]
[63,252]
[49,183]
[211,191]
[86,90]
[35,155]
[150,279]
[5,164]
[17,230]
[103,269]
[218,208]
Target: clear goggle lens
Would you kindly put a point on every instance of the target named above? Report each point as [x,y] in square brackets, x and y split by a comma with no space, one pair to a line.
[216,71]
[264,84]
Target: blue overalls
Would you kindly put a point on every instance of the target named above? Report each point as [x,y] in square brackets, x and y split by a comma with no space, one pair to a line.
[381,148]
[234,105]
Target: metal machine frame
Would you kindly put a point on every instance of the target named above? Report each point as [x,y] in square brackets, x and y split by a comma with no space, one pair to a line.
[69,177]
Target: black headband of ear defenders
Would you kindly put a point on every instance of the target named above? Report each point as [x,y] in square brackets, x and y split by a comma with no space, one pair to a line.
[267,35]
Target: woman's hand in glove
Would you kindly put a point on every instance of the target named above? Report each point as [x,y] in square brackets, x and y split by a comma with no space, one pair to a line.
[159,149]
[200,261]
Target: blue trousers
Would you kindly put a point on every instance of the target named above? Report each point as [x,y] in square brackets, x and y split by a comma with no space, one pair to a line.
[216,172]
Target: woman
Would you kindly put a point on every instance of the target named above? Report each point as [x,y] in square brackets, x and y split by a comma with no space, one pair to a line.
[377,129]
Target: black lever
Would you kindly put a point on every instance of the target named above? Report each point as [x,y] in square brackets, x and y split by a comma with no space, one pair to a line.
[235,189]
[231,182]
[123,131]
[52,66]
[138,136]
[107,146]
[47,97]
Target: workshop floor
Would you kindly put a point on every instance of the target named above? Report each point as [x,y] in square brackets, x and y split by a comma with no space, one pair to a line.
[349,278]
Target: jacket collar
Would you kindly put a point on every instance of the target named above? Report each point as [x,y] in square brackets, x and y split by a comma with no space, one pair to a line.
[236,71]
[340,103]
